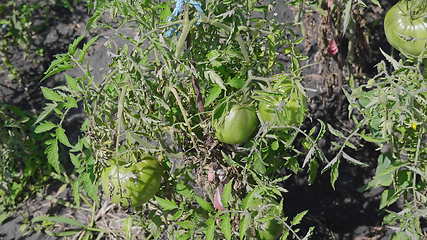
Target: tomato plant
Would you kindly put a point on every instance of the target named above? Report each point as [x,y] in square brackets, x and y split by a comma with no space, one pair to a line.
[405,26]
[237,126]
[135,184]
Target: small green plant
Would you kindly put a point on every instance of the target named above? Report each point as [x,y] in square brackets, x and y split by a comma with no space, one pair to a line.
[394,110]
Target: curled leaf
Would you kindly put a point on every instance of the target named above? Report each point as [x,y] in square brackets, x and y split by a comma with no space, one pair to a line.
[217,200]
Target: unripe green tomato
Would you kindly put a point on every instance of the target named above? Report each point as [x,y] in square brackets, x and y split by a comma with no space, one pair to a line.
[407,33]
[238,126]
[292,113]
[133,185]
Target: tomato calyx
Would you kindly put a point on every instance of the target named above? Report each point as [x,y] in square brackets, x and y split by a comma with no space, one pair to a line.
[415,9]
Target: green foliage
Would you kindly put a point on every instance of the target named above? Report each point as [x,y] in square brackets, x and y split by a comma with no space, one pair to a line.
[22,161]
[159,97]
[394,109]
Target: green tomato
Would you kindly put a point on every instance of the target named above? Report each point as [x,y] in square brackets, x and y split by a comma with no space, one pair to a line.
[406,30]
[238,125]
[276,112]
[132,185]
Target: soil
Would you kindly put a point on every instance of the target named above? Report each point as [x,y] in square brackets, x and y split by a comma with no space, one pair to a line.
[343,213]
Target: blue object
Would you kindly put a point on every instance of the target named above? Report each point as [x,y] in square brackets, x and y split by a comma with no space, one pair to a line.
[179,7]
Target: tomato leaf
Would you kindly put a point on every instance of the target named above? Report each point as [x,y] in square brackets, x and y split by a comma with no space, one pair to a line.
[59,219]
[166,204]
[297,219]
[62,138]
[334,173]
[388,197]
[52,154]
[236,82]
[72,83]
[226,226]
[210,229]
[213,94]
[44,127]
[226,194]
[204,204]
[50,94]
[75,190]
[215,78]
[46,111]
[244,225]
[353,160]
[313,167]
[393,62]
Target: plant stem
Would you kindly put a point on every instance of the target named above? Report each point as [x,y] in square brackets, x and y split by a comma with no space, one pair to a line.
[425,69]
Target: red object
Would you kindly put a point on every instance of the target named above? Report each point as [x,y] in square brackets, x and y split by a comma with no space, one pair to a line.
[217,200]
[332,47]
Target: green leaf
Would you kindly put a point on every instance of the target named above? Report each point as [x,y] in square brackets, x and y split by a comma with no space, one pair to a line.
[75,190]
[215,78]
[59,219]
[226,194]
[44,127]
[393,62]
[62,138]
[184,190]
[236,82]
[4,216]
[334,173]
[210,229]
[67,233]
[244,225]
[353,160]
[70,102]
[75,160]
[297,219]
[89,43]
[204,204]
[50,94]
[226,226]
[312,171]
[388,197]
[166,204]
[376,3]
[214,93]
[73,47]
[335,132]
[385,171]
[72,83]
[251,201]
[46,111]
[52,154]
[90,187]
[372,139]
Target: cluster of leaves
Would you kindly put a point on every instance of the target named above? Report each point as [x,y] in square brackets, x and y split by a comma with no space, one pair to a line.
[394,110]
[21,158]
